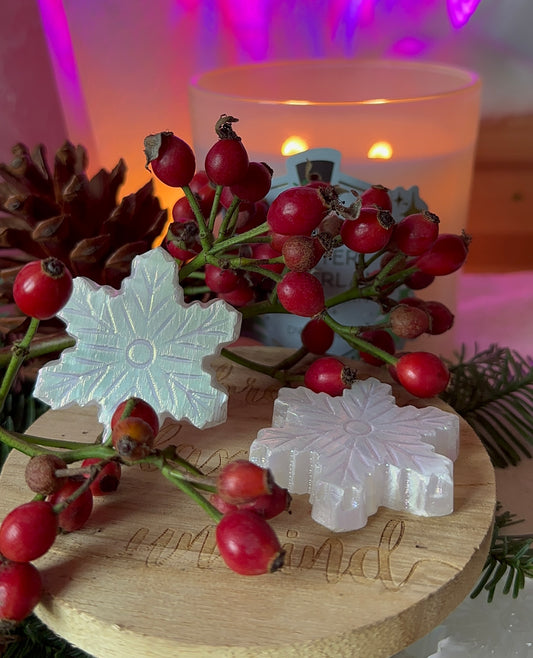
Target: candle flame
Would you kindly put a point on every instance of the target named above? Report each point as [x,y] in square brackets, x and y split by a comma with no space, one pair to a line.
[293,145]
[380,150]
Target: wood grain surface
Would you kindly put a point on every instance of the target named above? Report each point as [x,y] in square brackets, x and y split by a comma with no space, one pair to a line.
[144,578]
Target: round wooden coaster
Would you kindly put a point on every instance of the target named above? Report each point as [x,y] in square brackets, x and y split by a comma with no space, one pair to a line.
[144,578]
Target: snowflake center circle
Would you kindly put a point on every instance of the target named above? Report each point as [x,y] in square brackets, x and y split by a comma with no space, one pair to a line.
[357,427]
[140,353]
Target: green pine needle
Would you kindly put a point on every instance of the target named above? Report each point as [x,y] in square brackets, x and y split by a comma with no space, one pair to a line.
[493,392]
[510,556]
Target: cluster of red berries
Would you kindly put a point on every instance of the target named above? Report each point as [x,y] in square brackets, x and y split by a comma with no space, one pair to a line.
[64,503]
[260,257]
[244,497]
[247,496]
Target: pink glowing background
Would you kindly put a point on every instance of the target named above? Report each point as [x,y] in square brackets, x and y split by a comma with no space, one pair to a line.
[108,73]
[121,68]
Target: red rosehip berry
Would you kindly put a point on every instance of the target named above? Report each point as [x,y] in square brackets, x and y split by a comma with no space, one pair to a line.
[221,279]
[329,375]
[256,183]
[301,293]
[377,195]
[182,240]
[297,211]
[182,209]
[264,251]
[380,339]
[226,162]
[221,505]
[277,240]
[42,287]
[172,160]
[138,409]
[370,232]
[447,254]
[199,181]
[241,480]
[419,280]
[252,216]
[413,301]
[132,438]
[317,336]
[441,318]
[77,512]
[422,374]
[248,544]
[416,233]
[270,505]
[28,531]
[242,294]
[302,252]
[108,478]
[20,590]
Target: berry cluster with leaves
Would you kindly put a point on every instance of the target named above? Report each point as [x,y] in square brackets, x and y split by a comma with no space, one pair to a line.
[260,257]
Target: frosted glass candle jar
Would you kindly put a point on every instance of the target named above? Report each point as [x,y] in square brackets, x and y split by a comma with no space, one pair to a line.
[395,122]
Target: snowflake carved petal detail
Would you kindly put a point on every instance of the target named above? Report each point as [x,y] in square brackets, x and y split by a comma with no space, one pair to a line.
[142,341]
[358,451]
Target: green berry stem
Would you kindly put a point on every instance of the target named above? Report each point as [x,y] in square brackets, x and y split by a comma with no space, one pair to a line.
[206,236]
[360,266]
[350,336]
[190,490]
[41,348]
[50,443]
[84,485]
[259,308]
[90,451]
[18,356]
[374,257]
[351,293]
[397,278]
[193,265]
[170,454]
[241,238]
[196,290]
[277,371]
[254,265]
[229,220]
[214,207]
[13,441]
[128,408]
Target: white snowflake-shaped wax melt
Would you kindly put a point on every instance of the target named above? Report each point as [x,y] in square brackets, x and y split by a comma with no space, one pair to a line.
[358,451]
[141,341]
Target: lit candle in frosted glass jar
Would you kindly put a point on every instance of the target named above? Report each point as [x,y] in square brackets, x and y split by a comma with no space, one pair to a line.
[396,123]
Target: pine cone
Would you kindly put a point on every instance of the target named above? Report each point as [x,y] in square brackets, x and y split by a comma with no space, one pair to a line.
[71,217]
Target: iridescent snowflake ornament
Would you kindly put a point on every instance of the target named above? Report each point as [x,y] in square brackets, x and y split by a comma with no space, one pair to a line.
[142,341]
[353,453]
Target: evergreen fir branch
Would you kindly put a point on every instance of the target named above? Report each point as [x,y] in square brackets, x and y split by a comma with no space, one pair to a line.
[493,392]
[510,556]
[33,639]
